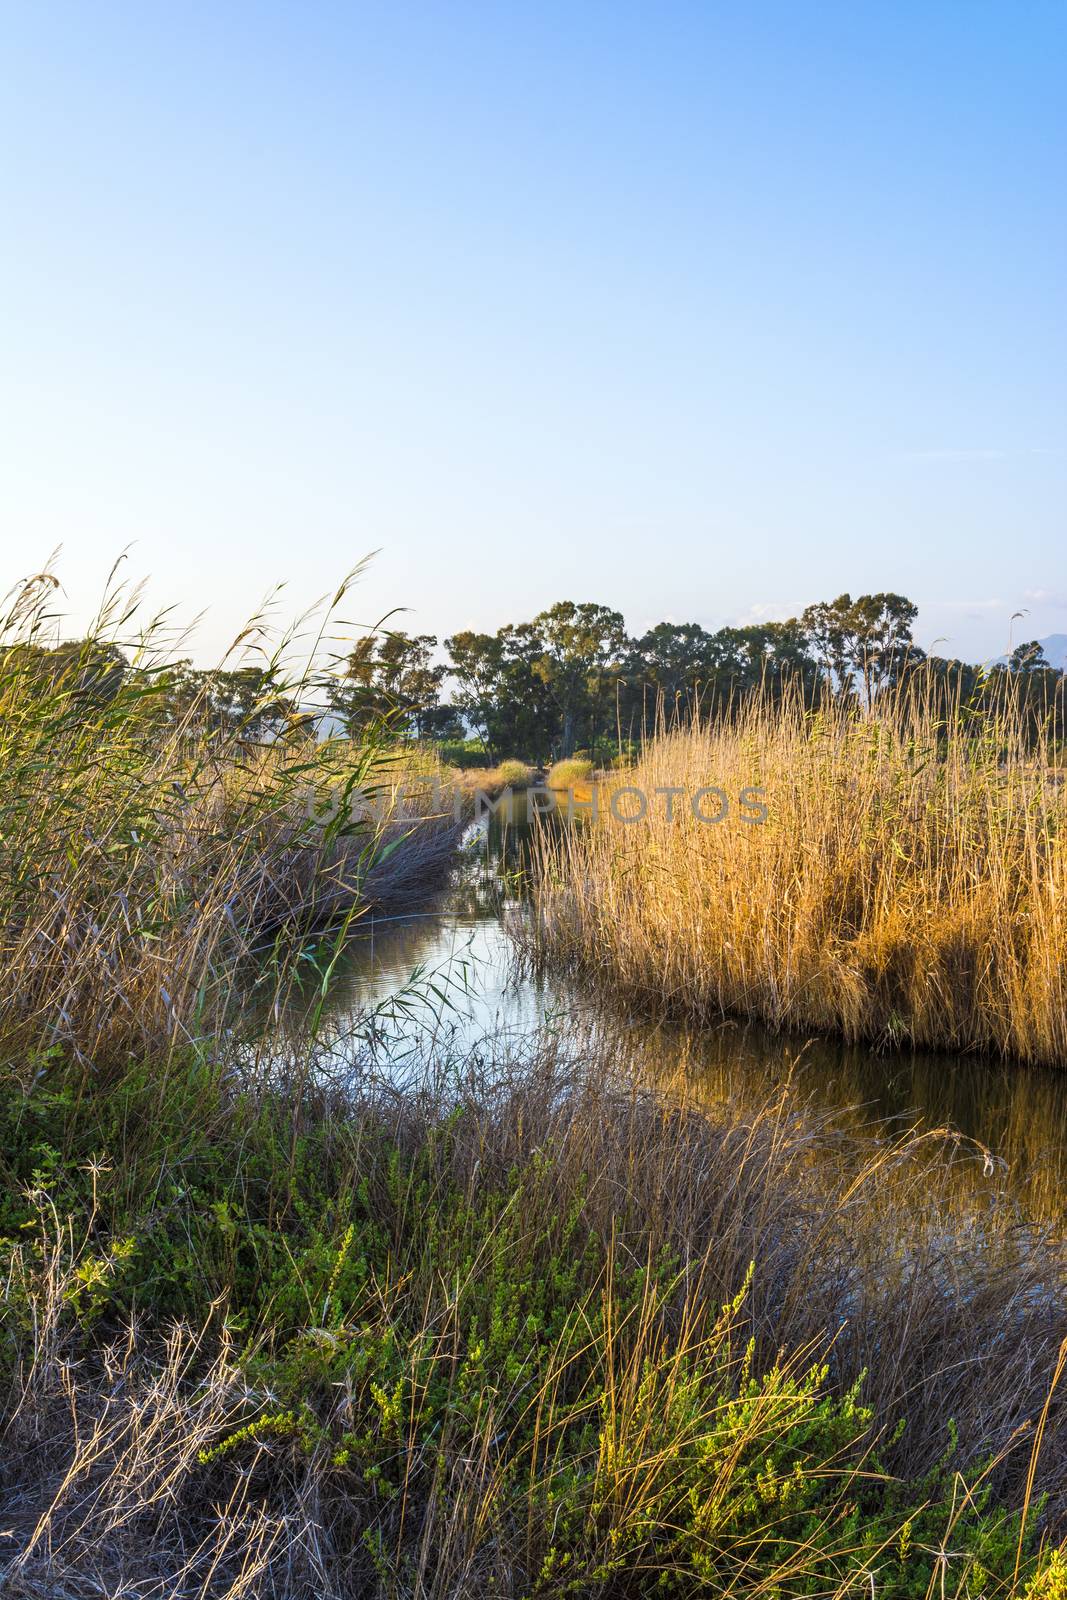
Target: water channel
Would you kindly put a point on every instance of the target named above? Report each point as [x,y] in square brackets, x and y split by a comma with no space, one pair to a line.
[449,976]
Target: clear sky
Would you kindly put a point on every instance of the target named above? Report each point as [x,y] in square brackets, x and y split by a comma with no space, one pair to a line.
[703,311]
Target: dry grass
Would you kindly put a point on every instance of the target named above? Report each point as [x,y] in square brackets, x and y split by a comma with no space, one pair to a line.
[108,1506]
[909,882]
[492,781]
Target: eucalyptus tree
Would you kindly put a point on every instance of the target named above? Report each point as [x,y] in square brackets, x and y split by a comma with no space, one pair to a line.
[862,643]
[390,677]
[583,654]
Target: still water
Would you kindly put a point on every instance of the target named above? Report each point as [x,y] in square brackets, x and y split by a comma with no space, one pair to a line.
[450,977]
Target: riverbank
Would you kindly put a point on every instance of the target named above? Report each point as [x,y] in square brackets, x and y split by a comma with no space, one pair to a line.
[519,1328]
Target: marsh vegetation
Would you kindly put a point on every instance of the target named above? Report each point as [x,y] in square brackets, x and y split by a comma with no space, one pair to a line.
[904,884]
[523,1318]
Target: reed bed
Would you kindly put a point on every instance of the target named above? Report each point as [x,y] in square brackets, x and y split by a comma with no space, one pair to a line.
[908,883]
[150,852]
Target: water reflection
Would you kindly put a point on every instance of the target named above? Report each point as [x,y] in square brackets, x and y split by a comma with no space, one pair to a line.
[449,978]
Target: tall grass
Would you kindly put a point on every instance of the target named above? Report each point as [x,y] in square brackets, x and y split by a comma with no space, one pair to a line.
[909,883]
[148,852]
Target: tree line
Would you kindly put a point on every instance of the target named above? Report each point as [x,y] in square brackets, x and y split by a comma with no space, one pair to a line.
[571,679]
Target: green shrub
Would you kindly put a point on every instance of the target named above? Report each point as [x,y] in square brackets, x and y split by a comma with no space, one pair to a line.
[515,774]
[462,753]
[565,774]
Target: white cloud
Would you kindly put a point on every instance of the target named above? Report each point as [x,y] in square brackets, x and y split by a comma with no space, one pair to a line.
[770,611]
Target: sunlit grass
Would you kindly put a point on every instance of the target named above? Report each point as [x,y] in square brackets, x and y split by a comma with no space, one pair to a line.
[909,882]
[492,781]
[568,773]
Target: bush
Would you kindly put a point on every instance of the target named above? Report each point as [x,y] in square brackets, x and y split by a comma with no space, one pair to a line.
[462,753]
[515,774]
[565,774]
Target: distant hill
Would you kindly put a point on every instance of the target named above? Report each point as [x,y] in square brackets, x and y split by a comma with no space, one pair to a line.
[1055,648]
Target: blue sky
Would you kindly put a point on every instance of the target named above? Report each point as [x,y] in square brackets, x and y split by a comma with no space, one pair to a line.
[704,311]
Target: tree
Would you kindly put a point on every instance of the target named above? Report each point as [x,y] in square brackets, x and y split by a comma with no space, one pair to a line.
[866,641]
[675,661]
[939,690]
[249,700]
[881,639]
[477,666]
[1029,657]
[584,647]
[501,692]
[826,626]
[390,677]
[89,672]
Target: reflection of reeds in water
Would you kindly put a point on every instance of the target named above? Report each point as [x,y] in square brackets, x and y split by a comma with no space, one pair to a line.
[909,883]
[1013,1121]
